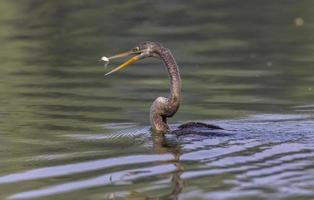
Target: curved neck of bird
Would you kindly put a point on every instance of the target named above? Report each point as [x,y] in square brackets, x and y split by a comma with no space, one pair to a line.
[163,108]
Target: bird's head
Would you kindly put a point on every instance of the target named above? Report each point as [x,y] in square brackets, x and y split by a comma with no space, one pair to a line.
[140,51]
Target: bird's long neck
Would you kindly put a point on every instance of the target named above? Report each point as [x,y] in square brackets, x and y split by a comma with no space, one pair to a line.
[162,108]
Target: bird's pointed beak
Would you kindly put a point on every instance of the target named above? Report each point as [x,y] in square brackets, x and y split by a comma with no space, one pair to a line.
[126,63]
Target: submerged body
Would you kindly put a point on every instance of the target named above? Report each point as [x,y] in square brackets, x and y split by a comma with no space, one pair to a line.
[163,108]
[199,128]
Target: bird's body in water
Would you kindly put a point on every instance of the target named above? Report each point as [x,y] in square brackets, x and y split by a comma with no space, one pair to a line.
[163,108]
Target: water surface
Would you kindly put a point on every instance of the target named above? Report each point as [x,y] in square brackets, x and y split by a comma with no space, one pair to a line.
[68,132]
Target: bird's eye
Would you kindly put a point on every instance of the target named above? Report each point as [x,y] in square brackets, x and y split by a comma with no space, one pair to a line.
[136,49]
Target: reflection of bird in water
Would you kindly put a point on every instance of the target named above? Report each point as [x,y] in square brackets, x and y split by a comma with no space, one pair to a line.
[172,180]
[162,108]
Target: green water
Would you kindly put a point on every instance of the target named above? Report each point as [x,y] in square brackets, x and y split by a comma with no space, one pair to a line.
[68,132]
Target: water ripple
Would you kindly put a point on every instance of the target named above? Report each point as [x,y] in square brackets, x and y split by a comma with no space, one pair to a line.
[62,170]
[111,178]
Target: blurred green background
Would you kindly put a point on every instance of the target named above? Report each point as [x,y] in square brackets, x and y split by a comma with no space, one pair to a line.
[235,58]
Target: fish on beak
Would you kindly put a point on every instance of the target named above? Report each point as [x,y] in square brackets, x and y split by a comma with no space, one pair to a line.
[138,56]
